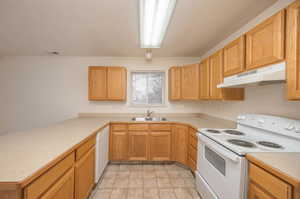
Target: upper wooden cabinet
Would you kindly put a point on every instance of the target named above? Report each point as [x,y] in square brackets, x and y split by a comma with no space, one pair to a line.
[234,57]
[292,51]
[216,74]
[116,83]
[204,80]
[107,83]
[175,83]
[216,77]
[190,82]
[97,83]
[265,42]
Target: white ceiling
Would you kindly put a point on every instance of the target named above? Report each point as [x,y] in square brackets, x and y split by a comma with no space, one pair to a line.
[110,27]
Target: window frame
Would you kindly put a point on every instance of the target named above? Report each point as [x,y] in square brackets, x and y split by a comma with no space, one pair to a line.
[163,104]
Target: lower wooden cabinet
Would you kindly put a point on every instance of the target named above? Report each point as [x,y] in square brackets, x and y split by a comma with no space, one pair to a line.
[180,145]
[263,185]
[160,146]
[84,175]
[63,188]
[138,145]
[193,149]
[118,145]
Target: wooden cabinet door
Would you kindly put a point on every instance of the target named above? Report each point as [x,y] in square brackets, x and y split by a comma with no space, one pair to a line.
[175,83]
[204,79]
[180,145]
[119,145]
[138,145]
[63,188]
[234,57]
[97,83]
[216,77]
[116,83]
[160,146]
[256,192]
[84,175]
[265,42]
[190,82]
[292,51]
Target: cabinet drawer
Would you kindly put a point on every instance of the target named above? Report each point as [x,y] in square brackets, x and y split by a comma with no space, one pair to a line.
[63,188]
[85,147]
[160,127]
[40,185]
[270,183]
[138,127]
[118,127]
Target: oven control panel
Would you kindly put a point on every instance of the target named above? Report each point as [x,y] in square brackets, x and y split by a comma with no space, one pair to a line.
[278,125]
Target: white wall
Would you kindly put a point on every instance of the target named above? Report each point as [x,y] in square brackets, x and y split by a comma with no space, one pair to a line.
[37,91]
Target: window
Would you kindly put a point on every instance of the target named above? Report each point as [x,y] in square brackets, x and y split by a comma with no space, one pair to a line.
[148,88]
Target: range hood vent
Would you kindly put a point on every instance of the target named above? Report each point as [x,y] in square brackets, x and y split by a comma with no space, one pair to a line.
[267,75]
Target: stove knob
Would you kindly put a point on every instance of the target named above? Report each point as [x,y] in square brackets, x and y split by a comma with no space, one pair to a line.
[289,127]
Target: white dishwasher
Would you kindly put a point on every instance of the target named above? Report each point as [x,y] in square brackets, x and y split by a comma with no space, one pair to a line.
[102,141]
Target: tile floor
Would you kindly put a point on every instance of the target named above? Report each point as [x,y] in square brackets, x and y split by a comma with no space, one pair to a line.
[167,181]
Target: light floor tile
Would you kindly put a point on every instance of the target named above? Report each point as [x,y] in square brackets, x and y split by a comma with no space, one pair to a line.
[123,174]
[177,182]
[119,194]
[151,194]
[164,183]
[136,183]
[150,183]
[161,174]
[148,167]
[135,194]
[121,183]
[173,174]
[107,183]
[149,174]
[190,182]
[182,193]
[102,194]
[136,174]
[167,194]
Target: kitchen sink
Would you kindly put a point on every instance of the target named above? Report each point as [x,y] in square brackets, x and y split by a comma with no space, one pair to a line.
[149,119]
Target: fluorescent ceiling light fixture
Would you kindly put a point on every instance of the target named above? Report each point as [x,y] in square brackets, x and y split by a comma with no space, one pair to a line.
[154,19]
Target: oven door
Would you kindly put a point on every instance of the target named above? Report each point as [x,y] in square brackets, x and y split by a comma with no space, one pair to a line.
[222,171]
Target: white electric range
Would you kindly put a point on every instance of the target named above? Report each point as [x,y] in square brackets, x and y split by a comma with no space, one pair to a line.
[222,166]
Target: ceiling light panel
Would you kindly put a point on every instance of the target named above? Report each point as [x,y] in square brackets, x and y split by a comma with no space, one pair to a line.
[155,16]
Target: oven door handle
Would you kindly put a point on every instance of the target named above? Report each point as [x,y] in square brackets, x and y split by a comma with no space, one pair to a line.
[223,153]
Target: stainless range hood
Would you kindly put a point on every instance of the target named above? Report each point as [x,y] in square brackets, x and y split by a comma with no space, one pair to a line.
[267,75]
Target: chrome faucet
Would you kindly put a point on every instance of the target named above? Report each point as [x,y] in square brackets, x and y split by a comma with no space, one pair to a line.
[149,113]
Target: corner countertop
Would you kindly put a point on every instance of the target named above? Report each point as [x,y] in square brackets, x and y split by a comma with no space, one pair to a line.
[283,165]
[24,153]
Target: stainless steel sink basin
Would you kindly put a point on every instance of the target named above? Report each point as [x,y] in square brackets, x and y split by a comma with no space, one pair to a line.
[149,119]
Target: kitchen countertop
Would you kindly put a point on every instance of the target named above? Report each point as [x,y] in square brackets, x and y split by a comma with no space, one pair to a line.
[24,153]
[285,165]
